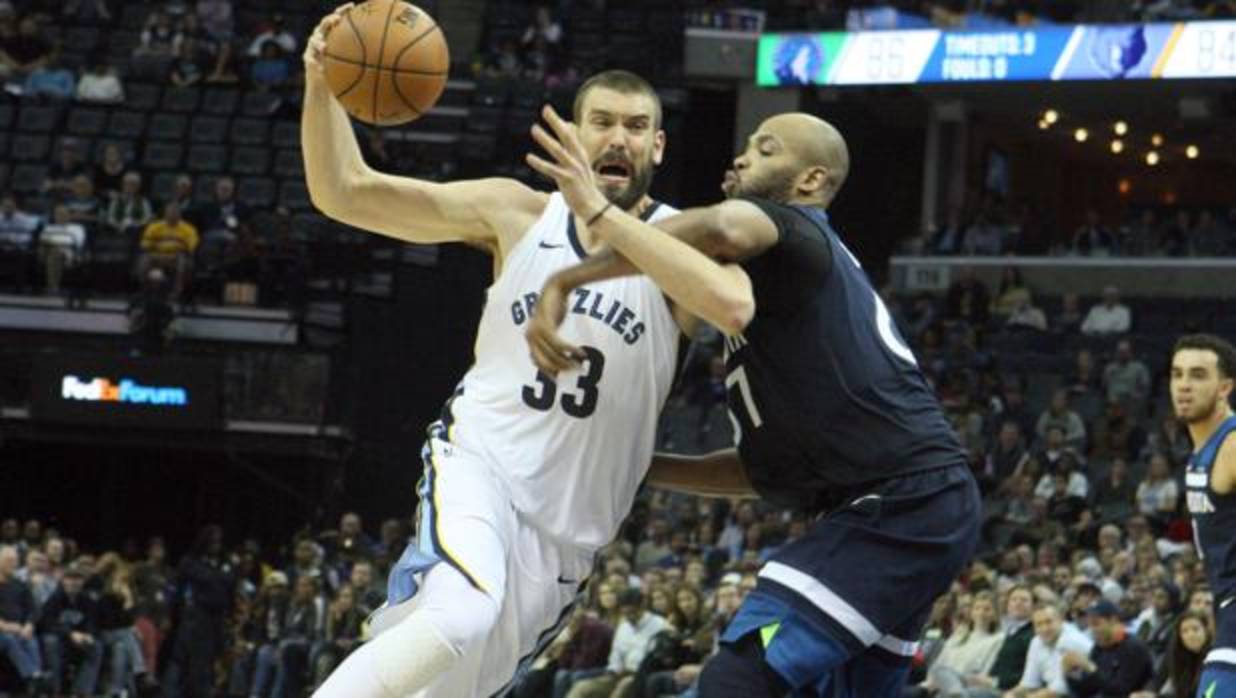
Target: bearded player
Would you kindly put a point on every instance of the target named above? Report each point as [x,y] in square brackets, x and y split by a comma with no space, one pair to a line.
[1203,368]
[525,475]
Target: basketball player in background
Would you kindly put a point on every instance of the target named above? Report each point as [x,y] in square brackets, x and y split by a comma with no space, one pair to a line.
[525,477]
[831,412]
[1203,370]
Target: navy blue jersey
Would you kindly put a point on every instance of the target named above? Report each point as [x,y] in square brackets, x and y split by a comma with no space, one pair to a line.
[823,391]
[1214,516]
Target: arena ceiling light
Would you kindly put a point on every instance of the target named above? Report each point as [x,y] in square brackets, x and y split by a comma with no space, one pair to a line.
[1080,135]
[1051,116]
[1120,128]
[1192,152]
[1152,158]
[1117,146]
[1156,140]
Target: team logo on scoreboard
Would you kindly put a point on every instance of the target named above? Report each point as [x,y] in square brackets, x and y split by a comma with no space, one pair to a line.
[1115,51]
[799,59]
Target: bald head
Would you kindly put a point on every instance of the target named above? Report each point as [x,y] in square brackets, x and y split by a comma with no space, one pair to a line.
[793,157]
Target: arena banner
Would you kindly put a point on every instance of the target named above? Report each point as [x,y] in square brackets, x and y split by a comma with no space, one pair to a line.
[147,393]
[1072,52]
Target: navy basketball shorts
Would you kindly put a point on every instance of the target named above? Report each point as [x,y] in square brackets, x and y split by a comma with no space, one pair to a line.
[1219,667]
[840,610]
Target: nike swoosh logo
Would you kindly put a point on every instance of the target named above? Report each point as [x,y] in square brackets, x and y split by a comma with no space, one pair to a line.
[1226,602]
[547,246]
[564,580]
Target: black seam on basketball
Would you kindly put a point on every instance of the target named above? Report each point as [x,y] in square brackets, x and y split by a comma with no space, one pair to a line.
[420,36]
[402,97]
[408,71]
[395,75]
[364,55]
[377,77]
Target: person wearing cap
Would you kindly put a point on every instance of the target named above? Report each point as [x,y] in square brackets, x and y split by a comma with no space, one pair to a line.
[1117,665]
[68,627]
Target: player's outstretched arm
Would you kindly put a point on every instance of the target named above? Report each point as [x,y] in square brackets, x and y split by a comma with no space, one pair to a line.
[712,231]
[719,293]
[717,474]
[491,212]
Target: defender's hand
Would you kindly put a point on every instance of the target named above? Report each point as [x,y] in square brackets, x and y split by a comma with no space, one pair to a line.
[570,170]
[316,44]
[549,351]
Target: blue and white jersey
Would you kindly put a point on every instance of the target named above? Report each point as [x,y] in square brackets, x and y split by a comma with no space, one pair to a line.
[1214,516]
[571,451]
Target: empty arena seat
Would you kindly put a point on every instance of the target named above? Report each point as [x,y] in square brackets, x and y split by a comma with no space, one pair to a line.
[141,96]
[87,121]
[28,178]
[249,131]
[207,158]
[286,134]
[150,68]
[294,195]
[126,124]
[289,163]
[182,99]
[220,101]
[83,39]
[169,127]
[259,104]
[207,129]
[251,160]
[39,119]
[162,156]
[27,146]
[257,192]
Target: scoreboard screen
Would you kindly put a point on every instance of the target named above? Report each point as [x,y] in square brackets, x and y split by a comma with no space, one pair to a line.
[1075,52]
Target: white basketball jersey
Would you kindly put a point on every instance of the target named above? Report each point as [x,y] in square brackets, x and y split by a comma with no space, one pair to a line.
[571,451]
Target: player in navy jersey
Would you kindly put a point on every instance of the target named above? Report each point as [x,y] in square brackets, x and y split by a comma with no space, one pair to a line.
[1203,369]
[831,413]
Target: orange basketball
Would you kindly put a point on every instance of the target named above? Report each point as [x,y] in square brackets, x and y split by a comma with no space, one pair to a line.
[386,61]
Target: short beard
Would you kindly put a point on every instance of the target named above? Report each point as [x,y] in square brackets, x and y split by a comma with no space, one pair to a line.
[626,197]
[777,187]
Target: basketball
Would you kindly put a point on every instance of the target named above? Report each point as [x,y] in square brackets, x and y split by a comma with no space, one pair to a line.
[386,62]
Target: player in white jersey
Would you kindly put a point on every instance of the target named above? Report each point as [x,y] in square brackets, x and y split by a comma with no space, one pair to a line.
[525,476]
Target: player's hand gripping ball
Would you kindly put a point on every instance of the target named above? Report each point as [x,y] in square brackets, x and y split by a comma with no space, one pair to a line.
[386,61]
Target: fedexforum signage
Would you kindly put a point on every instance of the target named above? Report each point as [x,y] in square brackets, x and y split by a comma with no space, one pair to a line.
[124,390]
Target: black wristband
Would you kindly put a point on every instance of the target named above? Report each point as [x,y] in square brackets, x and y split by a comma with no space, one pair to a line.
[598,215]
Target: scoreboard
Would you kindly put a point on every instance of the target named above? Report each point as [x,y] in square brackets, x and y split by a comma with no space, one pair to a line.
[1074,52]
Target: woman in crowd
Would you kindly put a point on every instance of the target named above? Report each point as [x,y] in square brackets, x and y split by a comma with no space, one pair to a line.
[970,650]
[343,633]
[1191,640]
[116,618]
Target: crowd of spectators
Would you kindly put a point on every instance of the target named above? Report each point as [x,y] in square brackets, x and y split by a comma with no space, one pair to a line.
[994,230]
[1086,562]
[96,224]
